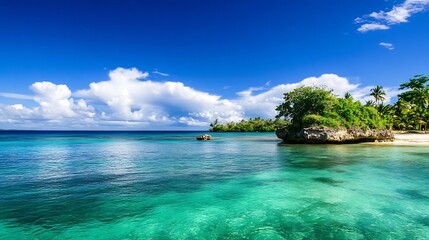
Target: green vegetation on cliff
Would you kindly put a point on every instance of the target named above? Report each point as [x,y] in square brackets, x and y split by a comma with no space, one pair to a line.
[315,106]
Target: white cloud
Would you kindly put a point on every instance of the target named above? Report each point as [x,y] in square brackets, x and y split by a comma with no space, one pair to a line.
[15,96]
[372,26]
[55,106]
[398,14]
[387,45]
[160,73]
[128,100]
[54,100]
[15,112]
[254,89]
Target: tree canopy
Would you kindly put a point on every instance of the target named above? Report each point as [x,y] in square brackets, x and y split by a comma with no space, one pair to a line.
[251,125]
[378,93]
[305,101]
[411,110]
[316,106]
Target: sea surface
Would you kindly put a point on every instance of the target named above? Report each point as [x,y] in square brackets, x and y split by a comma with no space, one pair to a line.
[167,185]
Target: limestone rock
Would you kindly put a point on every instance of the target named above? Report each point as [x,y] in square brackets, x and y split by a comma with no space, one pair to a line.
[204,137]
[329,135]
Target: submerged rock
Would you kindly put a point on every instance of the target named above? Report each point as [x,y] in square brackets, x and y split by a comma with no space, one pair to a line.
[204,137]
[327,180]
[329,135]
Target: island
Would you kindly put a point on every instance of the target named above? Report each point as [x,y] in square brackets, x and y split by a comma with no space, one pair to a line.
[318,116]
[311,114]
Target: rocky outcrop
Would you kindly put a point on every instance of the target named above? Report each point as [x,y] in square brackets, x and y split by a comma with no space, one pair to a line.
[204,137]
[329,135]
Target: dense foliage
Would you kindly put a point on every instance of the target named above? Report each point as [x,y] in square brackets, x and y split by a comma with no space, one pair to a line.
[251,125]
[411,111]
[315,106]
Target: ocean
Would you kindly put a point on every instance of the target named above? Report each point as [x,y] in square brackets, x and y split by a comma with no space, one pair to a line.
[167,185]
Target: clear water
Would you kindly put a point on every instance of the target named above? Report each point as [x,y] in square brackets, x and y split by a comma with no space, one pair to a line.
[154,185]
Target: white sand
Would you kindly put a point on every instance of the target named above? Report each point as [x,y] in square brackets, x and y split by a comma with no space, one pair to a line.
[410,139]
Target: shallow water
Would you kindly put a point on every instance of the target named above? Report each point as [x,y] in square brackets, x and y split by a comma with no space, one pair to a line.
[167,185]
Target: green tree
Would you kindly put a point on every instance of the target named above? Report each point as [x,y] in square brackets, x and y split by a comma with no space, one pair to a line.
[251,125]
[348,96]
[416,98]
[378,93]
[305,101]
[369,103]
[314,106]
[214,124]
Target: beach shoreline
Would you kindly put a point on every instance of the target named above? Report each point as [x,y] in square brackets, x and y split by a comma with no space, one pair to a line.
[405,138]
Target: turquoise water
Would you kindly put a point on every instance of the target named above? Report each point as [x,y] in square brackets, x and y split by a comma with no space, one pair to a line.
[167,185]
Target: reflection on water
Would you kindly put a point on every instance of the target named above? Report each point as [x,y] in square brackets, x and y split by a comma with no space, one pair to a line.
[238,186]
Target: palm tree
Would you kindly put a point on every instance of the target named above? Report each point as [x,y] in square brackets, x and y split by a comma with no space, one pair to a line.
[348,95]
[369,103]
[418,97]
[418,82]
[214,124]
[378,93]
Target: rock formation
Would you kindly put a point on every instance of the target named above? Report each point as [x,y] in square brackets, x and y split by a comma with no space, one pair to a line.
[329,135]
[204,137]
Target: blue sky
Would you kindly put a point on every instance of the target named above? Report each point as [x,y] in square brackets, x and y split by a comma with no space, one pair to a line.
[211,59]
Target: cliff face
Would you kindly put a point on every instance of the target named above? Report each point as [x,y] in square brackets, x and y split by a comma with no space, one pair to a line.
[329,135]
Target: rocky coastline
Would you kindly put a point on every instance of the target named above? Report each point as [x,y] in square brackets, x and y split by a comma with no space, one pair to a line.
[322,135]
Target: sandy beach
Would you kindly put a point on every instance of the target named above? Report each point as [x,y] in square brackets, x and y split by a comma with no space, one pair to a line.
[410,139]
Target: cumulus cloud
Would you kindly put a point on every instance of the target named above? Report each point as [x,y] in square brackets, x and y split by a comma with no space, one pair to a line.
[54,100]
[128,99]
[399,13]
[131,99]
[55,105]
[387,45]
[15,112]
